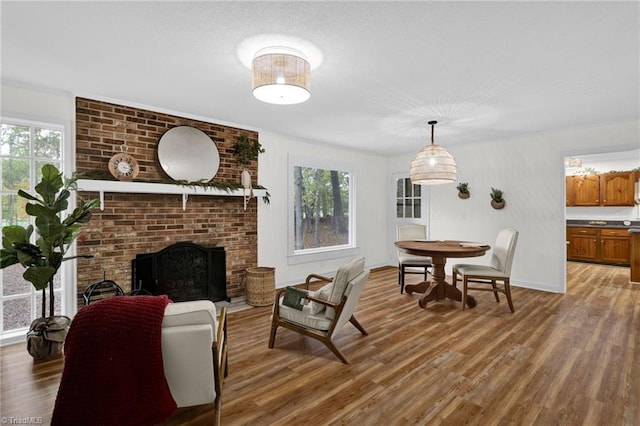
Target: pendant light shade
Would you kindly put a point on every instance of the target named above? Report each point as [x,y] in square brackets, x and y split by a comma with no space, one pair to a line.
[281,76]
[433,165]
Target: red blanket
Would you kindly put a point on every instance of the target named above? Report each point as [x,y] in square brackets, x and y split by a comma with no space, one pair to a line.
[113,372]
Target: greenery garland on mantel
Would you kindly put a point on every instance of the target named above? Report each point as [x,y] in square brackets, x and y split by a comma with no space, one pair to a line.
[96,174]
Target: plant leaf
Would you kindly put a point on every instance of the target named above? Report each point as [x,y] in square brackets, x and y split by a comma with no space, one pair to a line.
[50,184]
[14,234]
[7,258]
[39,276]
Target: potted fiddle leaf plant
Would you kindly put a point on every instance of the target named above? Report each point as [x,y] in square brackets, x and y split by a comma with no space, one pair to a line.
[42,259]
[497,200]
[463,190]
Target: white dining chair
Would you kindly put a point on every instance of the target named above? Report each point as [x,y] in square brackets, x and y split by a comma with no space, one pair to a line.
[499,270]
[408,263]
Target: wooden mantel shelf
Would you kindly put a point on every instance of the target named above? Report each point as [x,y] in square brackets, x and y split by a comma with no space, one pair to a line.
[103,186]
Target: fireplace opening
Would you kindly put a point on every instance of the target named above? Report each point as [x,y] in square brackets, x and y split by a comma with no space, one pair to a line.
[183,271]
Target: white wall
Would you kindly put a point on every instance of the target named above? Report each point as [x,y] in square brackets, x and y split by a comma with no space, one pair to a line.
[530,171]
[39,105]
[371,212]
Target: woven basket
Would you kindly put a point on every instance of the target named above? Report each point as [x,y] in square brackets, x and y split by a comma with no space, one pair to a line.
[261,286]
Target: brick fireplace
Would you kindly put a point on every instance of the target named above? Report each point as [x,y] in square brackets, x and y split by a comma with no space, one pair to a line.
[131,224]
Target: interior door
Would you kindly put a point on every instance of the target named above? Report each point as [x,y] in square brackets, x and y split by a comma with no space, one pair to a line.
[409,204]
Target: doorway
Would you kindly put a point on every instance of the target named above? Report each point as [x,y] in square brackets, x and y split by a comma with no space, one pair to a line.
[409,205]
[589,215]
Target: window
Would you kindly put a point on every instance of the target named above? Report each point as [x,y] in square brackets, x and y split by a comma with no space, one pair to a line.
[24,148]
[408,199]
[321,216]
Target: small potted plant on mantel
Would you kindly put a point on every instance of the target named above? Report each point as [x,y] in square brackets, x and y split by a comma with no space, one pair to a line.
[497,201]
[42,260]
[247,151]
[463,190]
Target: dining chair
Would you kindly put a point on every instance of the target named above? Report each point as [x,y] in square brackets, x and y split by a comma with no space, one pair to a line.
[499,270]
[408,263]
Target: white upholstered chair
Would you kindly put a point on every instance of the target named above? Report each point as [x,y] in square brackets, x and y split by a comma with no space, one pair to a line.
[409,263]
[329,308]
[194,353]
[499,270]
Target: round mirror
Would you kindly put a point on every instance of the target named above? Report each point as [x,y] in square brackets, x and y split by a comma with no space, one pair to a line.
[186,153]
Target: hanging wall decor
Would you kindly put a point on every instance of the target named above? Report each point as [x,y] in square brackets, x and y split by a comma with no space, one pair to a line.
[497,201]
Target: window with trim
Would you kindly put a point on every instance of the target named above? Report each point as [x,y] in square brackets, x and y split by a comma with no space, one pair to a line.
[321,216]
[408,199]
[24,148]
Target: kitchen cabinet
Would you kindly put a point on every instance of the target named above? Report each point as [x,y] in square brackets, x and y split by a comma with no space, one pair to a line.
[583,190]
[602,245]
[607,189]
[615,246]
[583,243]
[635,256]
[617,189]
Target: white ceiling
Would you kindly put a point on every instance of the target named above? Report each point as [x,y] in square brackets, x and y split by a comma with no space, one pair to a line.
[484,70]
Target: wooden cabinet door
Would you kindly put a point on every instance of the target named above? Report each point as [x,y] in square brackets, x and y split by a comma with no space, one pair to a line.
[615,246]
[586,190]
[583,244]
[569,190]
[617,189]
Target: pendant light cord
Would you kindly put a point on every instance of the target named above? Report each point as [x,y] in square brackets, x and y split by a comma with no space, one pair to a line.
[432,123]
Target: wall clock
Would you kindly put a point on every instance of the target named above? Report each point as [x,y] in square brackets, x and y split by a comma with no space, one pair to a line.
[123,166]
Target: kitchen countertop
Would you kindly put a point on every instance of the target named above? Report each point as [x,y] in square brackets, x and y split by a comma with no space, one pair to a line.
[634,227]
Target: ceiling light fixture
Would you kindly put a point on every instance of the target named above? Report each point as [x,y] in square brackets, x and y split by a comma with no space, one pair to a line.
[433,165]
[573,162]
[281,76]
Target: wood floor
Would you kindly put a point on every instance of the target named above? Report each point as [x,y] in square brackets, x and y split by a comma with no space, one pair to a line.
[571,359]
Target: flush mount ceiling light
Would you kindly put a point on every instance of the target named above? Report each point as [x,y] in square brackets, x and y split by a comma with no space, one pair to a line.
[281,76]
[433,165]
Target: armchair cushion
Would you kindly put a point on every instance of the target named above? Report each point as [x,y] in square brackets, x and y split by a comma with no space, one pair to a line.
[195,312]
[305,317]
[345,274]
[323,293]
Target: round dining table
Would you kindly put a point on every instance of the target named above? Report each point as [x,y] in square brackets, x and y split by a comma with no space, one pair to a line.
[439,251]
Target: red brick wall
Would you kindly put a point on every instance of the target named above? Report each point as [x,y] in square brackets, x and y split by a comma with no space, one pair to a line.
[131,224]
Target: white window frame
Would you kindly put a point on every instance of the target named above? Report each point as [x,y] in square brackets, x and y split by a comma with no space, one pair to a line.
[294,256]
[68,302]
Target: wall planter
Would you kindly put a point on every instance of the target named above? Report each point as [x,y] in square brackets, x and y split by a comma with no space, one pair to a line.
[497,201]
[497,205]
[463,190]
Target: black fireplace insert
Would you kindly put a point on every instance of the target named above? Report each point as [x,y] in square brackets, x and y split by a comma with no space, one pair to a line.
[184,271]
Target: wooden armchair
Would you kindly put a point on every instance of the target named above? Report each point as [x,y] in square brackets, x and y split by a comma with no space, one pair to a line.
[327,310]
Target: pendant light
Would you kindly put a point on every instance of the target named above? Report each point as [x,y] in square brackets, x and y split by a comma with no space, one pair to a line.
[433,165]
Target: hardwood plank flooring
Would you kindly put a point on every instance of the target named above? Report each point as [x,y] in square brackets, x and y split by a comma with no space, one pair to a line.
[571,359]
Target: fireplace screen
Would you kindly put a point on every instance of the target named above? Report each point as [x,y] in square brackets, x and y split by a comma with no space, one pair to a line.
[183,271]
